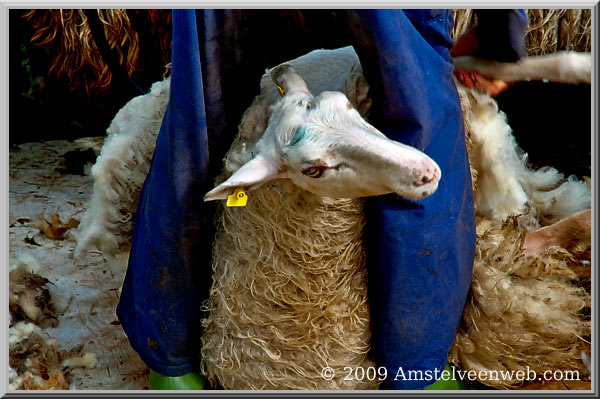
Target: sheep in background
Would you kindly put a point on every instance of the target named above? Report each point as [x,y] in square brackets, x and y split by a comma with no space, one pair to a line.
[254,292]
[524,308]
[119,173]
[502,181]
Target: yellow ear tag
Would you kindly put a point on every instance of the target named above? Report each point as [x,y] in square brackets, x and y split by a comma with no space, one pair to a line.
[238,198]
[280,91]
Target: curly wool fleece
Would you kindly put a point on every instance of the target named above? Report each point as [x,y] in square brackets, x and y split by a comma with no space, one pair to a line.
[290,293]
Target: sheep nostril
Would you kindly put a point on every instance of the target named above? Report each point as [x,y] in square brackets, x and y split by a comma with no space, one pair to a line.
[426,177]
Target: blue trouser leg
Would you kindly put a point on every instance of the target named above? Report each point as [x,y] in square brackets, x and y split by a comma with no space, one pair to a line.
[169,270]
[214,78]
[420,253]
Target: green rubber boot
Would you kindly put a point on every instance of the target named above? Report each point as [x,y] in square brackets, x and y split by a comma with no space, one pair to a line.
[189,381]
[449,384]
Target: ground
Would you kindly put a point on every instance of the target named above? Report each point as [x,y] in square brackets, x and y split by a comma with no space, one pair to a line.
[43,182]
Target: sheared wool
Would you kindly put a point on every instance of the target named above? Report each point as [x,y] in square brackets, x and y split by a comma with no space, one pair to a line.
[522,311]
[36,363]
[30,298]
[34,360]
[87,360]
[20,331]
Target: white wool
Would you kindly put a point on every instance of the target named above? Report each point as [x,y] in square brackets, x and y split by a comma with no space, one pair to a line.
[20,331]
[61,297]
[505,184]
[88,360]
[14,381]
[29,381]
[120,171]
[26,301]
[26,262]
[571,196]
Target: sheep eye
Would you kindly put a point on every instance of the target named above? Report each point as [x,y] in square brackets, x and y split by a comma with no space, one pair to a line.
[314,171]
[304,104]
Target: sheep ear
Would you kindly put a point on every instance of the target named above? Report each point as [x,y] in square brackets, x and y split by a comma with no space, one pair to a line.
[357,90]
[250,176]
[288,80]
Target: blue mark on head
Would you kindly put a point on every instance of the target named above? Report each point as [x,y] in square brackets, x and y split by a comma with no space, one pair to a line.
[299,135]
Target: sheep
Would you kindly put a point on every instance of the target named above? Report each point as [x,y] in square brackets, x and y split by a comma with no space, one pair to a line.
[294,300]
[123,164]
[119,173]
[254,339]
[524,311]
[504,185]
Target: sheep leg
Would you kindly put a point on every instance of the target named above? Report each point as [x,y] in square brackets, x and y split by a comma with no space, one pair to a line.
[572,233]
[561,67]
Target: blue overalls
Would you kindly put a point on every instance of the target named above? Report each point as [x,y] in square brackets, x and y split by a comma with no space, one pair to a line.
[419,253]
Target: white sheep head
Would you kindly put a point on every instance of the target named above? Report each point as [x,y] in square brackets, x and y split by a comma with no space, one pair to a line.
[324,146]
